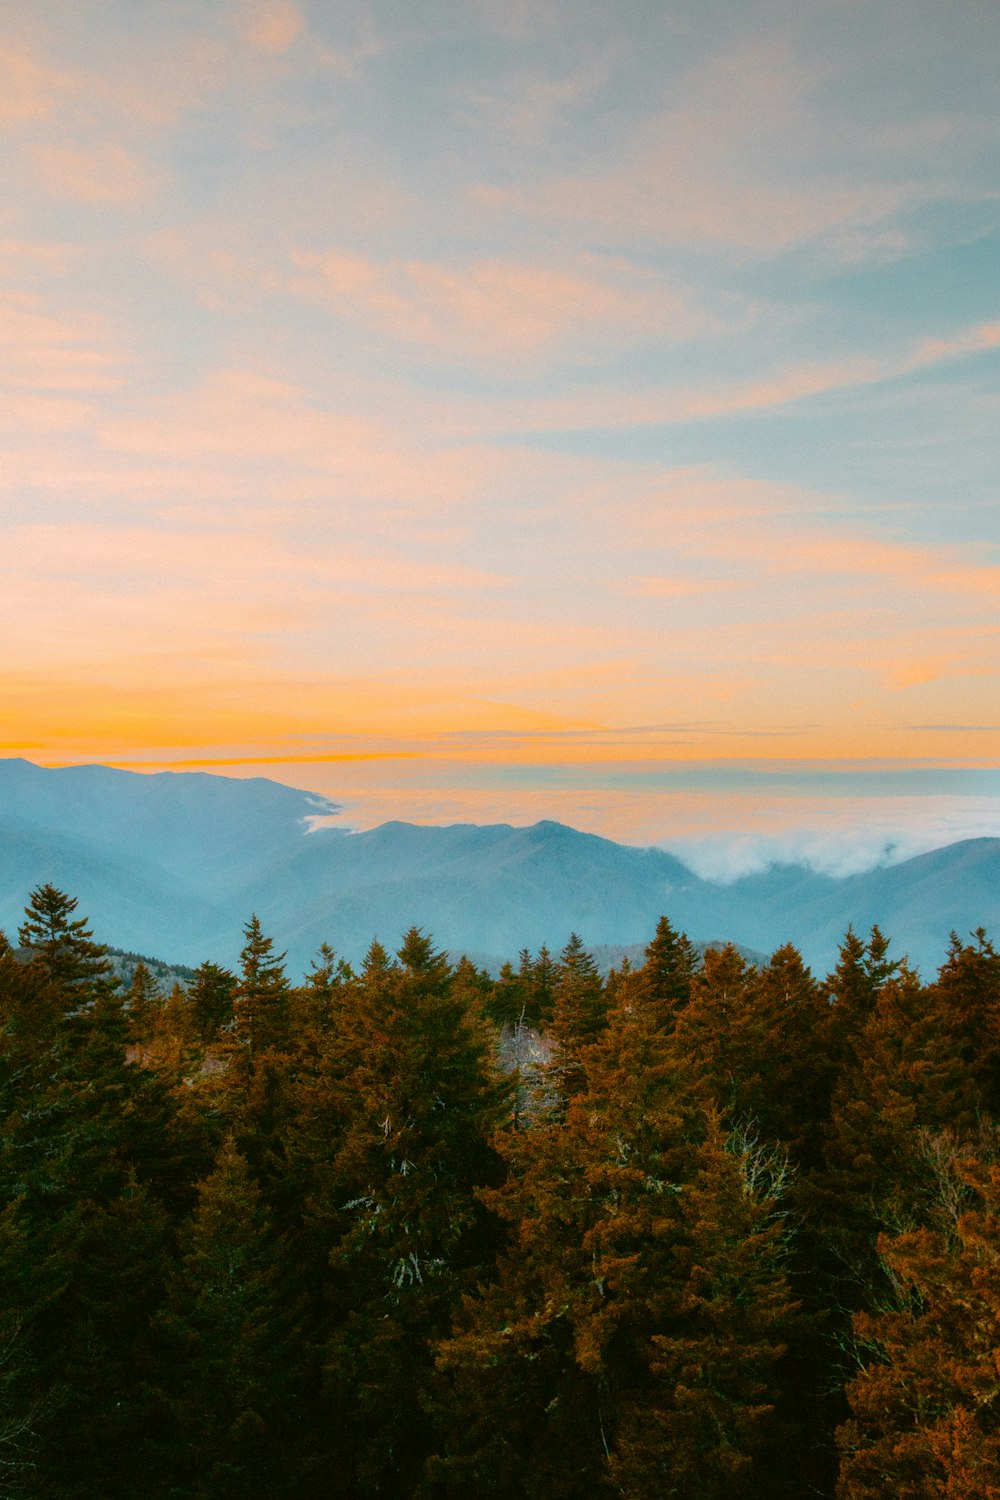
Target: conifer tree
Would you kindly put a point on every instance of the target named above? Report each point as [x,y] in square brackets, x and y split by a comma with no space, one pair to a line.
[60,944]
[578,1016]
[852,991]
[629,1343]
[757,1038]
[143,1000]
[670,966]
[506,1005]
[710,1027]
[212,992]
[543,987]
[399,1119]
[91,1148]
[923,1405]
[261,996]
[229,1349]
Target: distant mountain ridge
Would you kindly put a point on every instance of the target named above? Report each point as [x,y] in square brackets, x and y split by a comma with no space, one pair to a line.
[174,864]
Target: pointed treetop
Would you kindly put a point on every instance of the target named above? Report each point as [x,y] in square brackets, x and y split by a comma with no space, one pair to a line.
[418,954]
[671,961]
[328,971]
[259,962]
[61,943]
[376,960]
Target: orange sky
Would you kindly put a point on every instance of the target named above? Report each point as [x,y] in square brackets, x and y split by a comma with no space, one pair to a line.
[500,386]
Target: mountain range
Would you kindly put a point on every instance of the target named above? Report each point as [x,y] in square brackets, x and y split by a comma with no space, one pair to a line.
[175,863]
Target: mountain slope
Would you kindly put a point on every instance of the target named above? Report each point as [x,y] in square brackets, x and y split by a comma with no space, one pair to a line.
[175,863]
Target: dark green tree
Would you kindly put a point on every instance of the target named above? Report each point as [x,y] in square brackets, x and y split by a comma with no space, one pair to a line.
[397,1128]
[230,1402]
[60,944]
[261,996]
[212,992]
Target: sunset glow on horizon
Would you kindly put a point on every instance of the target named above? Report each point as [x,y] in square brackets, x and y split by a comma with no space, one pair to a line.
[489,412]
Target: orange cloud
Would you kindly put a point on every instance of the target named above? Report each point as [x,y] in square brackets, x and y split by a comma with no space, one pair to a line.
[492,307]
[102,174]
[31,90]
[270,26]
[46,353]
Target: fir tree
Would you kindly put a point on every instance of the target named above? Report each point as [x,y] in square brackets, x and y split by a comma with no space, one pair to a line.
[229,1349]
[629,1343]
[923,1405]
[402,1112]
[261,996]
[60,944]
[212,992]
[578,1016]
[143,1001]
[670,966]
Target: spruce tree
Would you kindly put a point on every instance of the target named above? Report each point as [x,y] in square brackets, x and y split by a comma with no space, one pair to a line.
[398,1123]
[60,944]
[229,1351]
[629,1342]
[579,1013]
[923,1404]
[211,993]
[670,966]
[261,996]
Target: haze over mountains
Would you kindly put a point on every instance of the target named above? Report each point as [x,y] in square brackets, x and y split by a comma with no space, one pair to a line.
[173,864]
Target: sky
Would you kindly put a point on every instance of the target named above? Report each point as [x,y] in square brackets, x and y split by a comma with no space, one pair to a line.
[484,410]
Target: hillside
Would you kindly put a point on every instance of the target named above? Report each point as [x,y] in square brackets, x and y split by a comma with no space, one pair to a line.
[174,864]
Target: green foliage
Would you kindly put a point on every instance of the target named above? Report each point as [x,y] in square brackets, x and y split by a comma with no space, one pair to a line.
[60,944]
[258,1239]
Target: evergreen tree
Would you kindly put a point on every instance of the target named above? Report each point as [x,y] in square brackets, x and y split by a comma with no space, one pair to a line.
[506,1005]
[670,966]
[261,996]
[578,1016]
[852,991]
[212,992]
[923,1405]
[543,987]
[60,944]
[143,1001]
[628,1345]
[229,1349]
[92,1151]
[757,1037]
[397,1124]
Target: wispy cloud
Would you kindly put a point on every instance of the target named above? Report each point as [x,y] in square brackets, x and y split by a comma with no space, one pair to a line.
[523,368]
[494,308]
[270,26]
[102,174]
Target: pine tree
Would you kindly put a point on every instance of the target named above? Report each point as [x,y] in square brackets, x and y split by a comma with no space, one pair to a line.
[397,1126]
[60,944]
[923,1405]
[578,1016]
[670,966]
[261,996]
[229,1349]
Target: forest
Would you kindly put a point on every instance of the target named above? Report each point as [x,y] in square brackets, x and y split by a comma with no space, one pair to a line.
[696,1228]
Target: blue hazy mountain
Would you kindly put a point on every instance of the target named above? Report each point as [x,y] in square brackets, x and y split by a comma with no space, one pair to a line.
[174,864]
